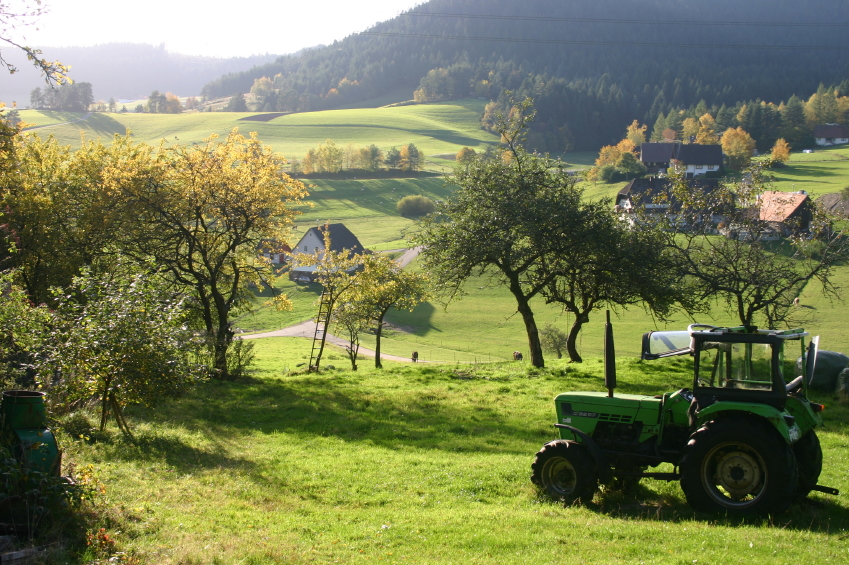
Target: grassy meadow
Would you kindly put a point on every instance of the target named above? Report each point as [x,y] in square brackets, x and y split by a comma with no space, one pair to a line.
[426,464]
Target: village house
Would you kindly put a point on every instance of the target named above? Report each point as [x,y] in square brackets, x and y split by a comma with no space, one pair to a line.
[654,195]
[831,134]
[695,159]
[274,251]
[786,213]
[341,239]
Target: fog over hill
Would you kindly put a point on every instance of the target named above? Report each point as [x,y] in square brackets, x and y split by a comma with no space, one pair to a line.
[124,70]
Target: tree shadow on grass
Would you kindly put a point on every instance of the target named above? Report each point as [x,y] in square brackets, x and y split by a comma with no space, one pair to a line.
[341,408]
[178,455]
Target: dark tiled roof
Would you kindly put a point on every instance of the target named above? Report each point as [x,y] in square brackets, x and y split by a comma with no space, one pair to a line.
[657,152]
[695,154]
[690,154]
[830,131]
[340,238]
[644,191]
[834,203]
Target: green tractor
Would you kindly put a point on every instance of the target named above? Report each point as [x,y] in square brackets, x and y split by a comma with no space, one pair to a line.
[742,440]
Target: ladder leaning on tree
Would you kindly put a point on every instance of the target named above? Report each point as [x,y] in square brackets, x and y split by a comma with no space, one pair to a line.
[322,321]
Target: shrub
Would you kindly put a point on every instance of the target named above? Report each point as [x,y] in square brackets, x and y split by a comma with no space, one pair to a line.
[553,339]
[415,205]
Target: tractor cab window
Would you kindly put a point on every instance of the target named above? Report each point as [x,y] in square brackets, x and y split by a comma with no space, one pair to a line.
[728,365]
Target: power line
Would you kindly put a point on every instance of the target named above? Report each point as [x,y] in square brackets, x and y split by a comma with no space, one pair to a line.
[616,43]
[620,21]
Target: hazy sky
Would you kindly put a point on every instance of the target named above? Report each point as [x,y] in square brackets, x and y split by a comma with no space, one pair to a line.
[222,28]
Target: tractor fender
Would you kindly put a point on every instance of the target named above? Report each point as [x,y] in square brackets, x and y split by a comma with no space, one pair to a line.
[605,473]
[782,422]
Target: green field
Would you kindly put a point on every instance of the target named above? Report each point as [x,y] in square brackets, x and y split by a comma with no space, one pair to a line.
[438,130]
[426,464]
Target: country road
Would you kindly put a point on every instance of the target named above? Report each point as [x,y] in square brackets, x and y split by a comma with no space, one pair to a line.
[307,329]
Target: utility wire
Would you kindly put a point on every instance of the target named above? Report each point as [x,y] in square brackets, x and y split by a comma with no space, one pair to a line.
[617,43]
[620,21]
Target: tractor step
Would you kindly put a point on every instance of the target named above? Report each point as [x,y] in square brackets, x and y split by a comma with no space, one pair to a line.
[826,490]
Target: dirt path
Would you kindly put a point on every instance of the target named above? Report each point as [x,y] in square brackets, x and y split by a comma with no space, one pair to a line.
[307,329]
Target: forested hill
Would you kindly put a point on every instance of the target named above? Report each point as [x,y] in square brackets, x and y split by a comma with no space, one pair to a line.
[604,62]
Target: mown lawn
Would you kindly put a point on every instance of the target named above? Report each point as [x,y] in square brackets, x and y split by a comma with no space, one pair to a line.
[425,464]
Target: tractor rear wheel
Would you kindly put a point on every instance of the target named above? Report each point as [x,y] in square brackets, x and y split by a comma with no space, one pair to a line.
[738,467]
[809,459]
[566,471]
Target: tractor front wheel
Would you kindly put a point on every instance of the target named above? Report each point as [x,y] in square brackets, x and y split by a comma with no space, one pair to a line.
[565,470]
[738,467]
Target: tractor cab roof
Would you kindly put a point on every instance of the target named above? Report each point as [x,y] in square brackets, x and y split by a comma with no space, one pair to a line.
[657,345]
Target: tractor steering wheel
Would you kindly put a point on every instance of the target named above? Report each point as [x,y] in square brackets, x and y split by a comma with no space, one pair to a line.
[692,327]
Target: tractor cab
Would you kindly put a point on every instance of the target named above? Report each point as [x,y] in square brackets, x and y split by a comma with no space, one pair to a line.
[740,364]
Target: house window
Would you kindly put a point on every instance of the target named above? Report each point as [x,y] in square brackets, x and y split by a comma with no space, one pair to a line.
[306,249]
[316,249]
[699,167]
[711,167]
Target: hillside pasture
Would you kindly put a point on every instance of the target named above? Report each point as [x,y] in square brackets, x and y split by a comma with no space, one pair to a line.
[433,128]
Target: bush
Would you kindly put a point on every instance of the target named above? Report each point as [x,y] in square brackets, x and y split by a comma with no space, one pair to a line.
[554,340]
[415,205]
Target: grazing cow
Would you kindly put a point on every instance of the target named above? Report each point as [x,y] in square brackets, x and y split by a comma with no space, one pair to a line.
[415,356]
[517,356]
[796,301]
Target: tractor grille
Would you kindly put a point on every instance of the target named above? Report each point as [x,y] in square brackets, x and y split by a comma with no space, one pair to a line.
[616,418]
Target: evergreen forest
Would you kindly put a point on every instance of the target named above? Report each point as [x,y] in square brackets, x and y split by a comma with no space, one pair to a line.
[590,67]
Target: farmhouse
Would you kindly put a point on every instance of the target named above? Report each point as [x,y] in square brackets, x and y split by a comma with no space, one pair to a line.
[786,213]
[831,134]
[696,159]
[341,239]
[654,195]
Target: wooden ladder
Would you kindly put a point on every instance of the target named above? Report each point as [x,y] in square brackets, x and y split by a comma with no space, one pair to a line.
[322,322]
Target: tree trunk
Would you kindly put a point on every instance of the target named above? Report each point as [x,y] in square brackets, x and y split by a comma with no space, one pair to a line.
[104,411]
[524,307]
[377,333]
[572,338]
[223,339]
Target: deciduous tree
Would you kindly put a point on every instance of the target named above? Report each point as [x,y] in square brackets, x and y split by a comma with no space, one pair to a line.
[757,278]
[201,215]
[707,131]
[739,146]
[553,340]
[781,151]
[617,264]
[121,339]
[381,285]
[501,222]
[335,271]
